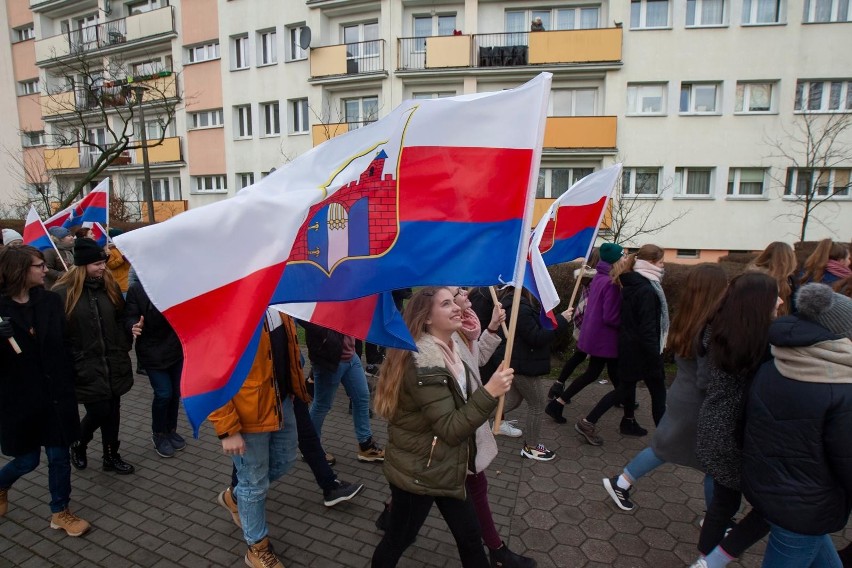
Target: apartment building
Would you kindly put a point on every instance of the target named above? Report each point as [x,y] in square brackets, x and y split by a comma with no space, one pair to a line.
[702,100]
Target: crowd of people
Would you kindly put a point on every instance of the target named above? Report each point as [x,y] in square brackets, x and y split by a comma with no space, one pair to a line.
[760,402]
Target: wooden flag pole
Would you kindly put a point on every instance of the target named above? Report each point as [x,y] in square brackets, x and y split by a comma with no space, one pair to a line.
[58,254]
[497,303]
[507,358]
[577,283]
[15,347]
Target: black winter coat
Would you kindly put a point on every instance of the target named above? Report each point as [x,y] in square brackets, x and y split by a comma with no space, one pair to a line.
[531,351]
[99,344]
[797,457]
[325,346]
[158,347]
[639,354]
[37,402]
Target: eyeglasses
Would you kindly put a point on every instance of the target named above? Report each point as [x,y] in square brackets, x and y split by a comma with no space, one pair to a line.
[39,265]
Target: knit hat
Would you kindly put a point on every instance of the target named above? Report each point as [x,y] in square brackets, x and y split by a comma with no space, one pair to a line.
[611,252]
[87,251]
[10,235]
[58,232]
[820,304]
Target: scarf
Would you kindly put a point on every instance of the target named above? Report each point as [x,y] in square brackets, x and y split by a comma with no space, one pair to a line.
[654,274]
[824,362]
[471,328]
[838,269]
[454,364]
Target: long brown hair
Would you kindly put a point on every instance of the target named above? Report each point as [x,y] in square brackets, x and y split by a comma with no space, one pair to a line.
[844,286]
[74,280]
[815,264]
[740,325]
[779,261]
[704,286]
[416,313]
[15,262]
[650,253]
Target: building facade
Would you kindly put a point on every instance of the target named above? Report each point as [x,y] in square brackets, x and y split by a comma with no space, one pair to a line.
[711,105]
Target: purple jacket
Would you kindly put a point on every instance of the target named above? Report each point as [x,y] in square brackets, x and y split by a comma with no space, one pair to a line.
[599,332]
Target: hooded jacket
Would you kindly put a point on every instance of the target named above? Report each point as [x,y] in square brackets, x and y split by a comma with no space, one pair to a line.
[599,332]
[797,455]
[639,354]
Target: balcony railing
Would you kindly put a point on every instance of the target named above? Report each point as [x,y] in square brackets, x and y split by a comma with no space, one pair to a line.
[348,59]
[73,158]
[162,86]
[107,34]
[511,49]
[322,132]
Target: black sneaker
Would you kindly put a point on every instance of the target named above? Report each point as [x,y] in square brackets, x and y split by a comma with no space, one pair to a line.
[554,410]
[162,445]
[619,495]
[629,427]
[342,492]
[555,390]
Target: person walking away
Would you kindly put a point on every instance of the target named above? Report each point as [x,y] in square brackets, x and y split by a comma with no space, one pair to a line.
[779,261]
[64,241]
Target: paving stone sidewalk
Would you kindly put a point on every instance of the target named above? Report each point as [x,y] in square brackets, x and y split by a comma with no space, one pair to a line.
[165,515]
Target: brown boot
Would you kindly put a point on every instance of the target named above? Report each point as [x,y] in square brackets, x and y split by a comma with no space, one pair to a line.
[226,499]
[261,555]
[69,522]
[4,501]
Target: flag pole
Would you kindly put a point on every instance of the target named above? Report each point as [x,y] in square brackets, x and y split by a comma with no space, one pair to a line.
[582,269]
[53,244]
[15,347]
[497,303]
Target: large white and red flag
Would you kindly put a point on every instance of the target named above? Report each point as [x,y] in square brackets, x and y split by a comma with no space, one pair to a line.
[437,191]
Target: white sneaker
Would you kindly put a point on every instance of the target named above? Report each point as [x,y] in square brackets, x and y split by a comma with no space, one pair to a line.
[507,428]
[700,563]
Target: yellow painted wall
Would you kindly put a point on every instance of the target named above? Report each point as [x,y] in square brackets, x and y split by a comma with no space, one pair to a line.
[165,209]
[168,151]
[329,60]
[580,132]
[447,51]
[575,46]
[322,132]
[61,158]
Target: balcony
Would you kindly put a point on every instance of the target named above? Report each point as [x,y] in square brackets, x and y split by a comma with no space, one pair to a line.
[578,47]
[117,93]
[580,132]
[72,158]
[59,8]
[322,132]
[113,35]
[348,61]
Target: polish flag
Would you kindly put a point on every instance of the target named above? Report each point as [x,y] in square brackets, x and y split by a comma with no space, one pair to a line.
[35,233]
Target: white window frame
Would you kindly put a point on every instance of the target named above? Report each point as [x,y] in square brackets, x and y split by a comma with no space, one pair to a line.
[552,109]
[294,50]
[698,12]
[299,116]
[24,33]
[214,119]
[629,178]
[30,87]
[240,52]
[267,47]
[154,128]
[244,179]
[747,96]
[734,190]
[641,23]
[142,6]
[363,48]
[363,119]
[271,112]
[691,88]
[151,66]
[819,194]
[434,28]
[835,12]
[751,10]
[544,188]
[688,253]
[203,52]
[682,182]
[215,183]
[33,139]
[433,95]
[804,88]
[161,188]
[637,109]
[242,122]
[552,18]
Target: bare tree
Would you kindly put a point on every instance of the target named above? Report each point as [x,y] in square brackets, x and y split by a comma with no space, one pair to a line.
[635,215]
[813,145]
[35,184]
[93,104]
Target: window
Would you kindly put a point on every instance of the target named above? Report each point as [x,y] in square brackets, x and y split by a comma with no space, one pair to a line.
[435,95]
[699,98]
[271,120]
[693,181]
[824,96]
[28,87]
[828,11]
[294,49]
[705,13]
[553,182]
[427,26]
[267,47]
[24,33]
[646,99]
[640,181]
[151,66]
[688,253]
[361,111]
[299,117]
[239,52]
[143,6]
[161,189]
[154,129]
[755,97]
[206,119]
[245,180]
[362,40]
[30,139]
[209,183]
[762,12]
[584,17]
[828,183]
[746,182]
[242,121]
[573,102]
[648,14]
[199,53]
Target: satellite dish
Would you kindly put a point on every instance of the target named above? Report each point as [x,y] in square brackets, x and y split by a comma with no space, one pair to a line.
[305,38]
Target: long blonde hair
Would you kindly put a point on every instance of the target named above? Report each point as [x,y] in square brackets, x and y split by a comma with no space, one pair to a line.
[779,261]
[416,314]
[650,253]
[75,278]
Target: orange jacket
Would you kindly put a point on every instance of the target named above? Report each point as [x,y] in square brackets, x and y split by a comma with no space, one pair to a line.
[257,405]
[119,267]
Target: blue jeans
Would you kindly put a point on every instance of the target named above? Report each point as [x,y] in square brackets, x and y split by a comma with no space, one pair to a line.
[268,456]
[647,461]
[351,375]
[787,549]
[164,408]
[58,474]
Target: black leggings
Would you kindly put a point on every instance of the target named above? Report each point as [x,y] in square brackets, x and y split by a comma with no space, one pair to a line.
[571,365]
[725,504]
[593,371]
[625,394]
[103,414]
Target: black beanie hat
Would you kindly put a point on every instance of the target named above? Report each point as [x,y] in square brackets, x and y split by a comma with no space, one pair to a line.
[87,251]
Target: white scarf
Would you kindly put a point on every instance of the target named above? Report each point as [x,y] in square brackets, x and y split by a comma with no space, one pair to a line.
[654,274]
